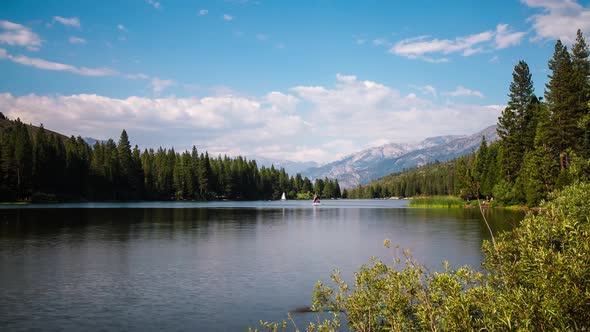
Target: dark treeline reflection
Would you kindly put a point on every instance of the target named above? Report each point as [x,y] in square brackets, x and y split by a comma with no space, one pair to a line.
[121,223]
[153,269]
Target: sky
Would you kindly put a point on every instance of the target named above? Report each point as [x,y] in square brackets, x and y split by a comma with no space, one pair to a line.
[286,80]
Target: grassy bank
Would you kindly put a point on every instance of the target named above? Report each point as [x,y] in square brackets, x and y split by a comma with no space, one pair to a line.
[437,202]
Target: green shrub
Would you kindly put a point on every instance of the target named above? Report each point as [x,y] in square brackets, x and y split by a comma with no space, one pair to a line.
[437,201]
[304,196]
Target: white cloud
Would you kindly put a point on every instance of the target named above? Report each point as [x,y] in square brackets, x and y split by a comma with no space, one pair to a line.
[427,89]
[154,3]
[308,123]
[203,12]
[423,47]
[50,65]
[261,37]
[495,59]
[367,111]
[360,41]
[15,34]
[227,17]
[121,27]
[559,19]
[159,85]
[506,38]
[68,21]
[77,40]
[462,91]
[415,48]
[280,101]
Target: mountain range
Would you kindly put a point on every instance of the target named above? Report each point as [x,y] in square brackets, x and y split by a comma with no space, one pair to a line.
[291,167]
[373,163]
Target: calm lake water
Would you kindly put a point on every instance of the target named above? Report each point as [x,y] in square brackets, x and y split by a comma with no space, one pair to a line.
[217,266]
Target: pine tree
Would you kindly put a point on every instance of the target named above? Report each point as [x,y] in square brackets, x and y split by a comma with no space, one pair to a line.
[23,155]
[581,85]
[514,126]
[540,172]
[204,175]
[137,177]
[560,98]
[127,174]
[40,159]
[480,169]
[8,191]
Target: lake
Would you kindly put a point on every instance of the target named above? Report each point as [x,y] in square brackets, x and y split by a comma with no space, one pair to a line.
[206,266]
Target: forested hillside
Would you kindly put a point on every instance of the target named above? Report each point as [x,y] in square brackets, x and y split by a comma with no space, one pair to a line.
[544,143]
[39,165]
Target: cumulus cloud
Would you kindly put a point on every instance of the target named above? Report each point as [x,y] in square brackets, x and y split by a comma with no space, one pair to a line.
[305,123]
[462,91]
[424,47]
[50,65]
[280,101]
[121,27]
[227,17]
[67,21]
[367,111]
[77,40]
[15,34]
[559,19]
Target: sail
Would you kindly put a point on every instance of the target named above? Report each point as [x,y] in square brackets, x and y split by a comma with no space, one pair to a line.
[283,198]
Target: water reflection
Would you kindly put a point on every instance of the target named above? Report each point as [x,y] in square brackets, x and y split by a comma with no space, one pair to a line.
[200,267]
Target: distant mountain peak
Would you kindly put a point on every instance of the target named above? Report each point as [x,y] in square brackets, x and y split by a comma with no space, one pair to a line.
[373,163]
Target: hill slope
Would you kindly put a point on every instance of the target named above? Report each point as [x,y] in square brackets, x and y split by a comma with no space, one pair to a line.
[6,123]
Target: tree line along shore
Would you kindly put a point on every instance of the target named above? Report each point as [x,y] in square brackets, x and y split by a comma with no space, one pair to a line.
[544,143]
[37,165]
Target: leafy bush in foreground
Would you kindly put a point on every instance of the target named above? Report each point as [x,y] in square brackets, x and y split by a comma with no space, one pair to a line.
[535,278]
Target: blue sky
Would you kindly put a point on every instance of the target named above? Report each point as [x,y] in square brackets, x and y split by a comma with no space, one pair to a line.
[298,80]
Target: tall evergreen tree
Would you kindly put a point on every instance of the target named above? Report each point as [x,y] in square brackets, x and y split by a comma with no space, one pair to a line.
[560,98]
[514,126]
[127,174]
[204,175]
[581,86]
[480,169]
[23,155]
[41,152]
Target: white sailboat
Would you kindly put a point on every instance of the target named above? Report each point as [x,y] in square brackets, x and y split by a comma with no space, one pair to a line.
[284,197]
